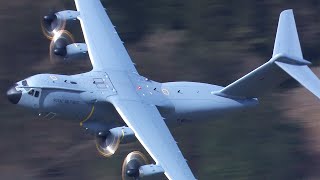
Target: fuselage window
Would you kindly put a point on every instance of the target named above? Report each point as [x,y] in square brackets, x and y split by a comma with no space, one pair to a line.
[70,82]
[31,92]
[36,94]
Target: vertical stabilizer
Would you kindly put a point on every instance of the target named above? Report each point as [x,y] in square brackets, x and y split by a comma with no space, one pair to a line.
[287,40]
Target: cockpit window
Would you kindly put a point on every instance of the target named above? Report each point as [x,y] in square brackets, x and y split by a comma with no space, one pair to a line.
[31,92]
[36,94]
[24,83]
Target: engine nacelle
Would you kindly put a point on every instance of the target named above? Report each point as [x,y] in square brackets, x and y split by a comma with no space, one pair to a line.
[135,167]
[56,21]
[67,15]
[150,170]
[108,142]
[71,51]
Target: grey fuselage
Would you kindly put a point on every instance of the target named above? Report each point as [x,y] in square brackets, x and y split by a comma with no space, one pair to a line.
[83,97]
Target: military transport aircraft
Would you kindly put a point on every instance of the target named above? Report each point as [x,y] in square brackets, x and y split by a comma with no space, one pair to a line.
[118,105]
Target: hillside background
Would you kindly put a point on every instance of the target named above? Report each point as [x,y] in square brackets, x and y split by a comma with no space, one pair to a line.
[213,41]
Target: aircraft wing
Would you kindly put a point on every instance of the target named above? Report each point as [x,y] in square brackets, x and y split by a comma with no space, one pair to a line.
[152,132]
[108,54]
[106,50]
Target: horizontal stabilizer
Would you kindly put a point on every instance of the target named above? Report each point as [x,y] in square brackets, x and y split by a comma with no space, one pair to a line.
[303,75]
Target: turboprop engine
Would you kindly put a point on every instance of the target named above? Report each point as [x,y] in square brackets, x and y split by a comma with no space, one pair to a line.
[107,142]
[63,46]
[136,166]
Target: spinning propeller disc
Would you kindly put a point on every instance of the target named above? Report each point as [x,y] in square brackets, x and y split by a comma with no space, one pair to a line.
[59,41]
[135,158]
[108,145]
[52,24]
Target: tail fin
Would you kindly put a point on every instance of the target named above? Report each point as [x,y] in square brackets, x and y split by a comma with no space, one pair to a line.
[287,57]
[287,40]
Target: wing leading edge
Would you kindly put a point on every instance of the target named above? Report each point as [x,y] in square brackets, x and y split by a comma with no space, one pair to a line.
[106,50]
[152,132]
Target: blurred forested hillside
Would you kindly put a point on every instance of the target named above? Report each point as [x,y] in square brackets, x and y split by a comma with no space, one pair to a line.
[213,41]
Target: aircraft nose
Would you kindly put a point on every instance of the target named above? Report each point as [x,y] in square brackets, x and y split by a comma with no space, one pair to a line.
[13,95]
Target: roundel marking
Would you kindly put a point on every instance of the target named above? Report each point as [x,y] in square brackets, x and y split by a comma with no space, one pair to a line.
[54,78]
[165,92]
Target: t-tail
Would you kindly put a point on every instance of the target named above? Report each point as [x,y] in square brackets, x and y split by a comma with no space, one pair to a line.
[287,60]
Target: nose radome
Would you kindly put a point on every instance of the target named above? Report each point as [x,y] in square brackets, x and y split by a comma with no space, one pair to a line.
[13,95]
